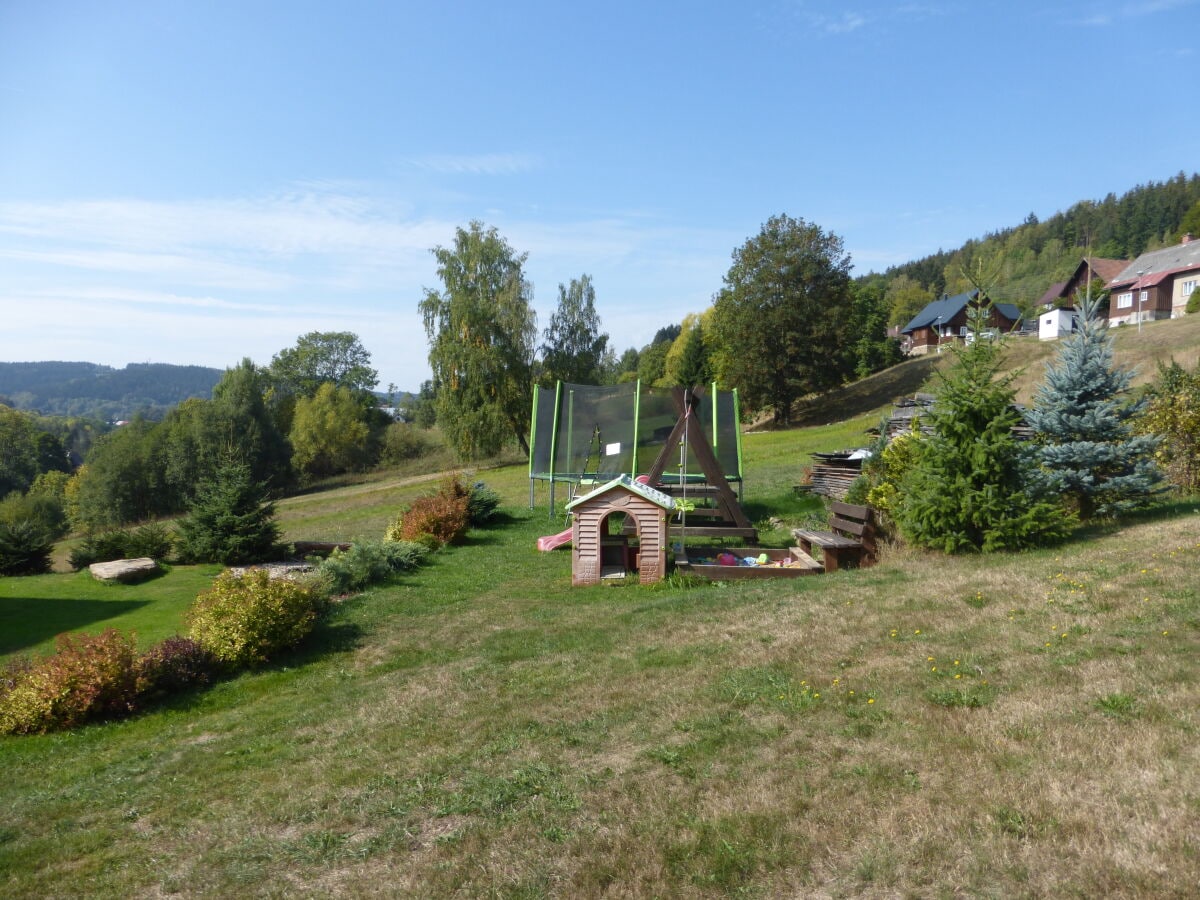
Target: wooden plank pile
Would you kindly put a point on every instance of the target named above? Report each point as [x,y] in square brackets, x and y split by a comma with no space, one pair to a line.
[833,473]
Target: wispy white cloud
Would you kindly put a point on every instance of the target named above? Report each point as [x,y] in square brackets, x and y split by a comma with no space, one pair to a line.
[1105,15]
[210,281]
[475,164]
[842,24]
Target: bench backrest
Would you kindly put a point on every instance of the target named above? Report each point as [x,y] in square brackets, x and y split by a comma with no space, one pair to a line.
[854,521]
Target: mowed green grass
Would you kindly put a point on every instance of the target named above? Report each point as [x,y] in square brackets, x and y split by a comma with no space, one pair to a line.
[998,726]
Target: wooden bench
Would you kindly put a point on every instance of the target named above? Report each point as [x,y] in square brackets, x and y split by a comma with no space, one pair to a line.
[850,539]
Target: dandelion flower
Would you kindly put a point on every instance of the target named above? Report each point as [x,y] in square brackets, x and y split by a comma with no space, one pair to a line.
[872,700]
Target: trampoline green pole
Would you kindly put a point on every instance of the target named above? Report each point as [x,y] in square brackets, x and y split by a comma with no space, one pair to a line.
[637,421]
[554,441]
[533,440]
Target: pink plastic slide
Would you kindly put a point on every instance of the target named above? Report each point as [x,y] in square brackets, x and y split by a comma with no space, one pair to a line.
[552,541]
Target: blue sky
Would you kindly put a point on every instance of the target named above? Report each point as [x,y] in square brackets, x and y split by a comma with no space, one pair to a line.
[198,182]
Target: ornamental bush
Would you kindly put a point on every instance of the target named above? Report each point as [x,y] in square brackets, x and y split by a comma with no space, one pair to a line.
[173,665]
[88,677]
[444,516]
[244,620]
[1173,413]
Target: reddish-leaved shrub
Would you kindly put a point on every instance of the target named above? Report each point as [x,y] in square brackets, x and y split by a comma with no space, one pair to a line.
[444,515]
[88,677]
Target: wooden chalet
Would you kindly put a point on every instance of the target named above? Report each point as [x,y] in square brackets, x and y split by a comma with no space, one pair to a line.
[944,322]
[1091,268]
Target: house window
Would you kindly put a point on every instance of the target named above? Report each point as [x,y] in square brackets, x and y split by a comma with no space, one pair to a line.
[1124,301]
[962,330]
[1143,296]
[1188,287]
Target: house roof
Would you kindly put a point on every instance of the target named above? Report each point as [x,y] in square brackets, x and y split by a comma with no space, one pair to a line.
[1157,265]
[636,487]
[1107,269]
[942,311]
[1053,293]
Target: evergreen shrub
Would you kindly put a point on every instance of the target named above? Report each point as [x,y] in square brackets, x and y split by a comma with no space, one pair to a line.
[88,677]
[244,620]
[1085,452]
[483,505]
[25,548]
[153,540]
[231,521]
[370,562]
[966,488]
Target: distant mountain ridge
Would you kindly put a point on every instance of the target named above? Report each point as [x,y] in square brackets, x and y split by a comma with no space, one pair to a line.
[56,388]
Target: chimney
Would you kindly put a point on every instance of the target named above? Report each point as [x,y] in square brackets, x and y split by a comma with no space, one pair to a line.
[1186,239]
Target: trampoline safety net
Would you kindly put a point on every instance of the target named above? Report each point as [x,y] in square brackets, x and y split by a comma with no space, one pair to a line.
[595,433]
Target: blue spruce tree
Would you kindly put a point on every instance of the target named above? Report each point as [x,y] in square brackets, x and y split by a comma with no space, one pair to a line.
[1085,447]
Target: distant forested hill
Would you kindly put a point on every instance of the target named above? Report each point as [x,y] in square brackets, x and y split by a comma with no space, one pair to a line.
[1026,259]
[102,392]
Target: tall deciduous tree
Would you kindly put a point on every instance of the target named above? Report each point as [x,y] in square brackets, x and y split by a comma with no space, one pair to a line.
[18,451]
[781,318]
[336,357]
[574,346]
[481,331]
[319,357]
[1173,413]
[328,432]
[1086,450]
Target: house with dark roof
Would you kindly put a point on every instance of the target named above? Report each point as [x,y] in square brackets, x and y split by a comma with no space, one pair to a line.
[944,321]
[1156,285]
[1089,269]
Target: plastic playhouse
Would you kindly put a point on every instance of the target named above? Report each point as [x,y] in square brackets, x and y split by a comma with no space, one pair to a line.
[598,551]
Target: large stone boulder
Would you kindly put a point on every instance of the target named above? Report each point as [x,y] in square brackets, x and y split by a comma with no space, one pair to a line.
[124,570]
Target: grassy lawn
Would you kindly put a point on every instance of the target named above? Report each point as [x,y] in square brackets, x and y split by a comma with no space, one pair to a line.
[35,609]
[1020,725]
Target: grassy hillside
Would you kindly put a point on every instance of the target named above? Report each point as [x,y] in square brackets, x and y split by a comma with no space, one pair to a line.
[1003,726]
[1026,356]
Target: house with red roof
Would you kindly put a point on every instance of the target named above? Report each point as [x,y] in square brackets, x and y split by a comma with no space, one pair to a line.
[1156,285]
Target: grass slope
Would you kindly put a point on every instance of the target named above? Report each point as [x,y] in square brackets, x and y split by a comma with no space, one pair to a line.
[1026,357]
[981,726]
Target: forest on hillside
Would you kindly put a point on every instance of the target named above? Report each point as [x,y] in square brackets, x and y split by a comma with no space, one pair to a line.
[1026,259]
[101,392]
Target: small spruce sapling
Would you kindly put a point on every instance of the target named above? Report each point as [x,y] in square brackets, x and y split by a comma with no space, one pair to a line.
[1085,448]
